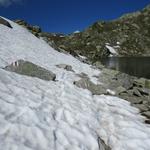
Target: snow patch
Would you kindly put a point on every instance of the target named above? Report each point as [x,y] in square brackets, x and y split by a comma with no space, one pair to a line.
[111,50]
[76,31]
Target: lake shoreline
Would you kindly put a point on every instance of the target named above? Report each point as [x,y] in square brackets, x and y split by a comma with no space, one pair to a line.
[133,89]
[134,66]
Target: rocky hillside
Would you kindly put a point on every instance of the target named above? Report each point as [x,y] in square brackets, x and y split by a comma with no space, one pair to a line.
[52,101]
[126,36]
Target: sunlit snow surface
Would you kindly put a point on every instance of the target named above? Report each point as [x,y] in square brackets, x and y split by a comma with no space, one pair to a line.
[41,115]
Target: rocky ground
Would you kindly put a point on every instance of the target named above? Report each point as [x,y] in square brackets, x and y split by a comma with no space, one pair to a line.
[128,35]
[133,89]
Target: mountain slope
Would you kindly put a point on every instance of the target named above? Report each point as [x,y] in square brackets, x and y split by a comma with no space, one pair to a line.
[128,36]
[40,115]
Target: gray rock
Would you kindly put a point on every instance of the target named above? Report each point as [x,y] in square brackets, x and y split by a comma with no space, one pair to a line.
[36,29]
[5,23]
[136,92]
[102,145]
[144,91]
[130,92]
[83,75]
[120,89]
[146,102]
[147,114]
[66,67]
[139,82]
[125,80]
[29,69]
[141,107]
[114,79]
[85,83]
[21,22]
[107,77]
[134,100]
[127,87]
[98,65]
[147,121]
[131,99]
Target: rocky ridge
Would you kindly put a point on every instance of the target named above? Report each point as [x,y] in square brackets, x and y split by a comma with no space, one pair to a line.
[50,38]
[126,36]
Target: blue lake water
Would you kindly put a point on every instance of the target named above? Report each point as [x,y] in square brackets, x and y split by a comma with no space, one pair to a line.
[136,66]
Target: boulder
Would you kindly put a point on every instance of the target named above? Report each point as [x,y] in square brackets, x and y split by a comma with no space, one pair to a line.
[147,121]
[147,114]
[120,90]
[5,23]
[98,65]
[102,145]
[114,79]
[66,67]
[125,80]
[144,91]
[29,69]
[143,85]
[21,22]
[131,99]
[83,75]
[139,82]
[136,92]
[85,83]
[36,29]
[141,107]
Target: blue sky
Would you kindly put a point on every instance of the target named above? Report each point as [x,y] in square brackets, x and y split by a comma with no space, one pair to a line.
[66,16]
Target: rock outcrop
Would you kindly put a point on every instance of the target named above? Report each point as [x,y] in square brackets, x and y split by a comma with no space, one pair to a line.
[66,67]
[133,89]
[5,22]
[29,69]
[85,83]
[50,38]
[33,29]
[126,36]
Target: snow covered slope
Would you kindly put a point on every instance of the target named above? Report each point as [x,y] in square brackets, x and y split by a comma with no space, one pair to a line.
[41,115]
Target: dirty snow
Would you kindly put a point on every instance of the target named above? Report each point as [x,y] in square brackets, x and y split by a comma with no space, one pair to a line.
[111,50]
[41,115]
